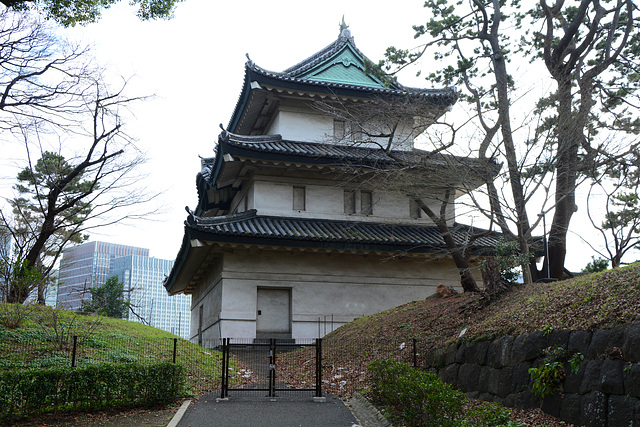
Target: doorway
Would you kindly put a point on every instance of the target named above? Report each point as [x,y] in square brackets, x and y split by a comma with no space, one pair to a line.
[273,317]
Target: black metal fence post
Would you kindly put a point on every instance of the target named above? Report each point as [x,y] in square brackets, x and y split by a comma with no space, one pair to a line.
[415,353]
[73,353]
[319,367]
[272,367]
[225,371]
[175,349]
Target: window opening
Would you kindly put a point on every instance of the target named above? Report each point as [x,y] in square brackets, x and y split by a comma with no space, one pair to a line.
[299,199]
[349,201]
[366,203]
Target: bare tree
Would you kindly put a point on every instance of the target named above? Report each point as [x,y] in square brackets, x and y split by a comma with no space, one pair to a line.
[81,170]
[431,179]
[613,206]
[587,49]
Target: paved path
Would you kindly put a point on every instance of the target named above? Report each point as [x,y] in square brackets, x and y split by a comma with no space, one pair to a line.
[266,412]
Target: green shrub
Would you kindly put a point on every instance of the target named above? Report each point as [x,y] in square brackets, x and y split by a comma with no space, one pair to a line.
[418,398]
[92,387]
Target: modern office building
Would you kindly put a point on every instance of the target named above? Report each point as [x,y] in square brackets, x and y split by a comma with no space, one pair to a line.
[89,265]
[150,304]
[86,266]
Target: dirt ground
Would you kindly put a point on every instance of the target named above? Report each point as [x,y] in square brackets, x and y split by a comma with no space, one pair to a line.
[153,417]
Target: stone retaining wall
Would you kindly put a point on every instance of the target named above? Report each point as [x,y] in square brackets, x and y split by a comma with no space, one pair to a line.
[605,392]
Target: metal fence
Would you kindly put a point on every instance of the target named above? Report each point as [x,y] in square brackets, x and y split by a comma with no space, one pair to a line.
[337,366]
[39,351]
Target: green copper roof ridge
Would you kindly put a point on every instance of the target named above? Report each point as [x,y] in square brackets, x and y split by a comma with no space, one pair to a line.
[357,60]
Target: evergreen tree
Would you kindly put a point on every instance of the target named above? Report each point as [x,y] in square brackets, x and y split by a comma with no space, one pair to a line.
[107,300]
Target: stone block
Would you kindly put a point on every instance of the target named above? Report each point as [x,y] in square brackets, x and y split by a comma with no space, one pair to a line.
[468,375]
[573,381]
[599,343]
[570,408]
[631,375]
[484,376]
[579,342]
[435,358]
[534,345]
[611,376]
[510,400]
[487,397]
[460,353]
[591,380]
[478,353]
[450,354]
[594,410]
[620,410]
[526,400]
[631,343]
[551,404]
[499,352]
[450,374]
[521,377]
[559,337]
[500,382]
[616,336]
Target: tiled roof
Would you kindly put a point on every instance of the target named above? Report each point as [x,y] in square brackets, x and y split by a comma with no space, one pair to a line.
[248,227]
[445,96]
[335,153]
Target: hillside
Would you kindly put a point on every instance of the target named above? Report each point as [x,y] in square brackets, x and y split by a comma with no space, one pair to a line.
[36,336]
[600,300]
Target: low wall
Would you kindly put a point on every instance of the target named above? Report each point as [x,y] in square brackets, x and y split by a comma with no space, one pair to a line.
[604,392]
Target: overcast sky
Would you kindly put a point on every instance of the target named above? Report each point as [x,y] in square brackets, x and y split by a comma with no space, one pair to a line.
[194,64]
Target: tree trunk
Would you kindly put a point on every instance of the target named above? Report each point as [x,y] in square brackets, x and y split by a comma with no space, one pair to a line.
[569,134]
[467,281]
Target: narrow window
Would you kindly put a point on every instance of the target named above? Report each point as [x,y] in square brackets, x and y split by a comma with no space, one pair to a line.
[356,133]
[349,201]
[414,209]
[298,198]
[366,203]
[338,130]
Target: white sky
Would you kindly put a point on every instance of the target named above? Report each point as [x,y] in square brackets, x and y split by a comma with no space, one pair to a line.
[194,64]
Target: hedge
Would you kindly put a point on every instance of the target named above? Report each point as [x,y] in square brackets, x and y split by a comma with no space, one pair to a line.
[412,397]
[23,392]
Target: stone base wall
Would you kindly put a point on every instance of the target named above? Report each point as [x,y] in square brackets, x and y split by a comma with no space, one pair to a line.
[605,392]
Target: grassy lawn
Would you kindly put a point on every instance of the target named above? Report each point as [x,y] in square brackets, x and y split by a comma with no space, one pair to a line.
[44,338]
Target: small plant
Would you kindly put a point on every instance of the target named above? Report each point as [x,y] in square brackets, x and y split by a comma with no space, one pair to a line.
[547,329]
[575,361]
[545,378]
[12,315]
[548,376]
[509,259]
[596,265]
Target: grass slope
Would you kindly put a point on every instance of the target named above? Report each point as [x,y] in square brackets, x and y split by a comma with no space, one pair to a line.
[600,300]
[44,338]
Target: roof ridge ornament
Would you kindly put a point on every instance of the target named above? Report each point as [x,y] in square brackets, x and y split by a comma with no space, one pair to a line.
[344,29]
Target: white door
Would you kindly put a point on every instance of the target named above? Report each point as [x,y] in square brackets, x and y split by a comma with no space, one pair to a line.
[274,313]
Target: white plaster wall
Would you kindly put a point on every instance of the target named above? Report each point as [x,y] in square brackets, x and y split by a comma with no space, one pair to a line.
[301,125]
[299,122]
[345,286]
[272,196]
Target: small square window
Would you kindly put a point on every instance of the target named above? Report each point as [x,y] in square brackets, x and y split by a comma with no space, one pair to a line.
[366,203]
[299,198]
[414,209]
[349,201]
[338,130]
